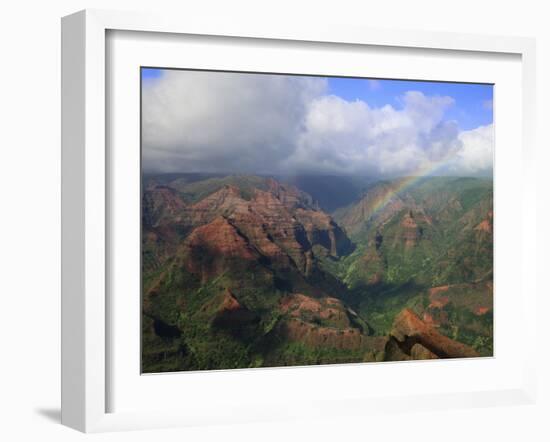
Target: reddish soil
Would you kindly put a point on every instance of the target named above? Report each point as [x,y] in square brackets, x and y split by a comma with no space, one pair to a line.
[439,303]
[428,319]
[410,233]
[281,223]
[300,302]
[221,238]
[316,336]
[436,290]
[484,226]
[479,302]
[481,311]
[324,308]
[409,222]
[436,299]
[229,302]
[409,328]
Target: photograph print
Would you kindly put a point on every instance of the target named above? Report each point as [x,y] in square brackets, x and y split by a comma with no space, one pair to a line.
[294,220]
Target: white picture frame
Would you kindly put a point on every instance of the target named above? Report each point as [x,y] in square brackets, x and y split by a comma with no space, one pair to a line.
[85,210]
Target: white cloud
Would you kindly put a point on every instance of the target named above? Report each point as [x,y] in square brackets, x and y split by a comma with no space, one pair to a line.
[425,112]
[222,122]
[350,137]
[476,153]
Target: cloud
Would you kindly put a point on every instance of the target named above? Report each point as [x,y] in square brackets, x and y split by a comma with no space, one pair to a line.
[217,122]
[272,124]
[476,153]
[346,137]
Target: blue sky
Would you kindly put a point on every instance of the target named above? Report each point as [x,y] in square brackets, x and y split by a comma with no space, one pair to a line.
[472,106]
[150,73]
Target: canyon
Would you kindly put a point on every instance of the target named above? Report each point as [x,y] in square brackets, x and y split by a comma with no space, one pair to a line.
[248,271]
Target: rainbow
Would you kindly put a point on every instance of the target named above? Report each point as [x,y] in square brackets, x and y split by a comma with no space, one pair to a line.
[404,183]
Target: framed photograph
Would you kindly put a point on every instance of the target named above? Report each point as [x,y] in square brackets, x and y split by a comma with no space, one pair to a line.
[250,213]
[301,220]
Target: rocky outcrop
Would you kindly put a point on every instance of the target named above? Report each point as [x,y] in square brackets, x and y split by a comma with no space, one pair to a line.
[220,237]
[209,248]
[315,336]
[277,224]
[296,330]
[268,217]
[222,202]
[229,313]
[486,225]
[322,230]
[411,233]
[328,311]
[412,338]
[290,196]
[162,205]
[325,322]
[474,297]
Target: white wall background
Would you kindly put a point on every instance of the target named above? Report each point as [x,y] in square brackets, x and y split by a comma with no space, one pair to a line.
[30,215]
